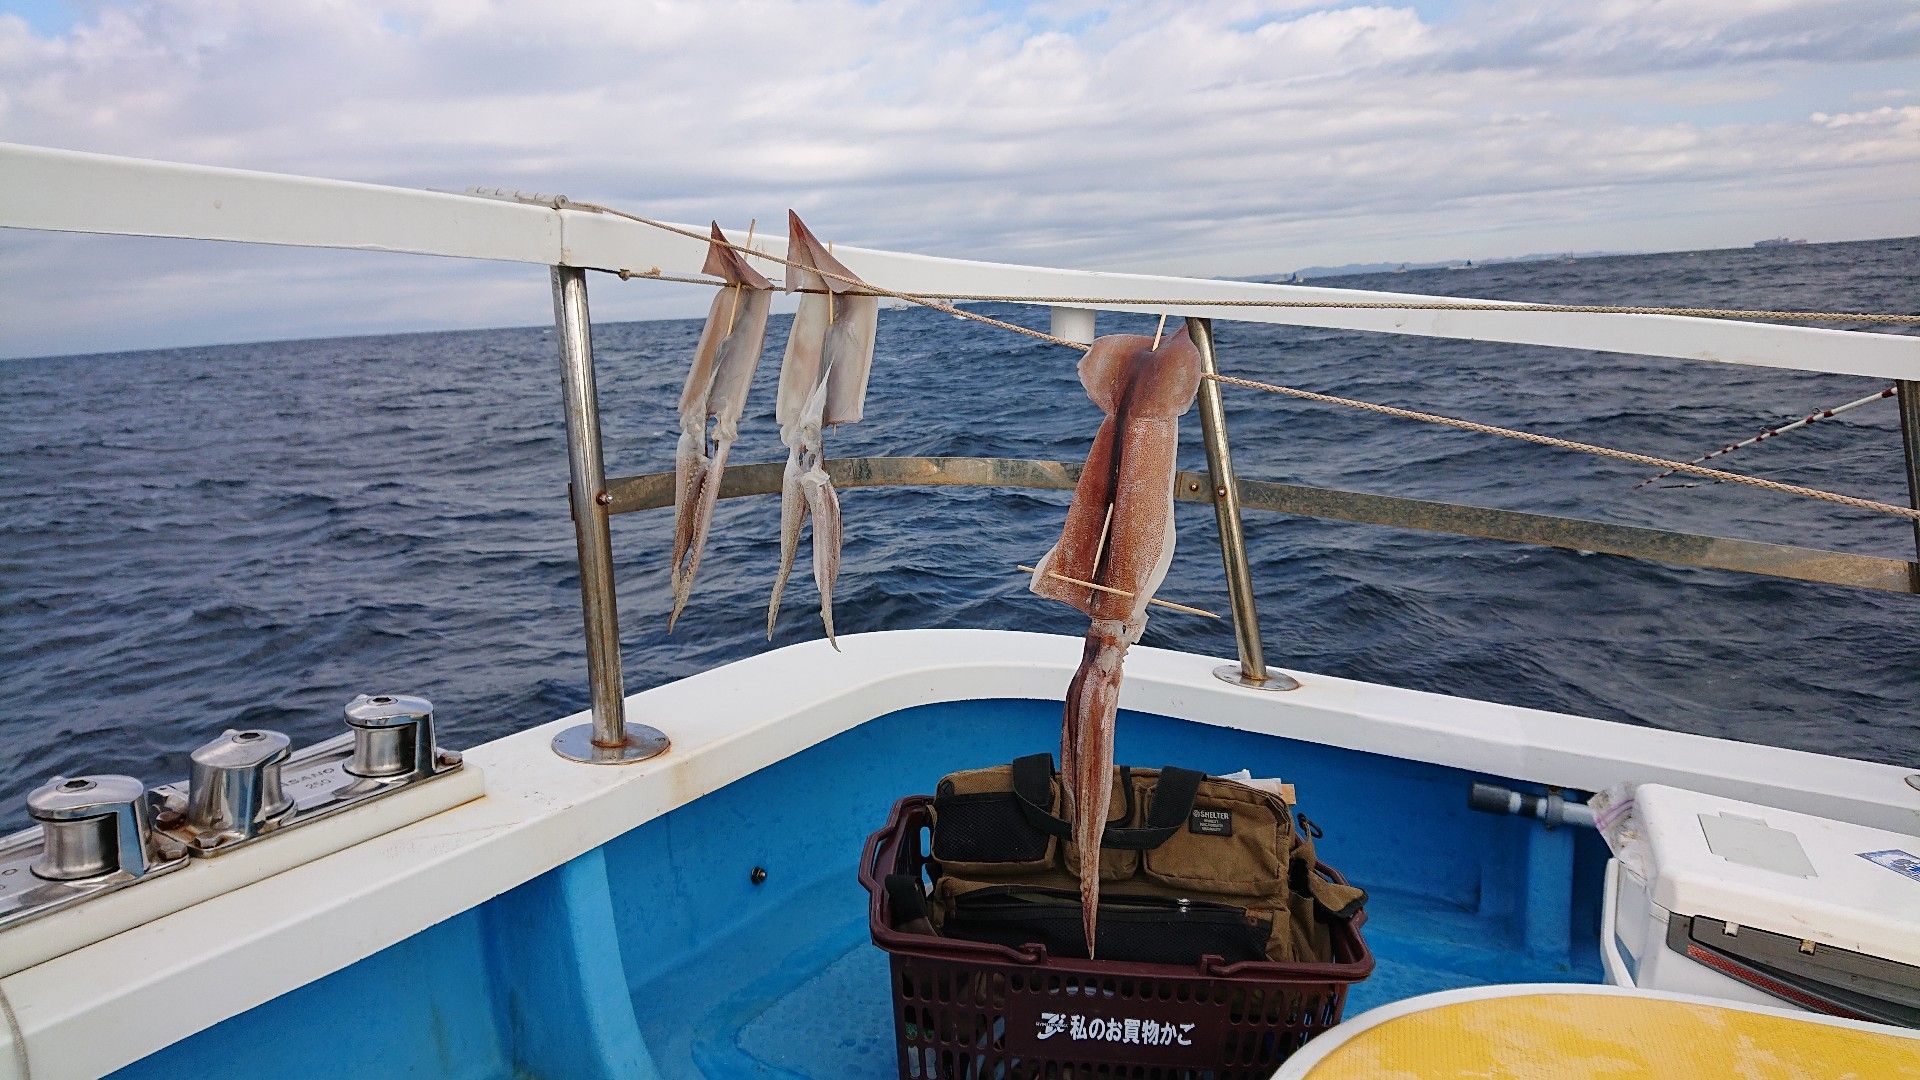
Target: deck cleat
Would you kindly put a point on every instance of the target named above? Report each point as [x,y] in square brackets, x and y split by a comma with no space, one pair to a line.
[96,834]
[90,827]
[234,791]
[93,834]
[250,785]
[392,737]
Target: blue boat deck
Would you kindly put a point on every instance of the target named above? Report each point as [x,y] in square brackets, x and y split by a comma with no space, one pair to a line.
[657,953]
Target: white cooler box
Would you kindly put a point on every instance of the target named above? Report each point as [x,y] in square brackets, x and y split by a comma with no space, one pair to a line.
[1749,903]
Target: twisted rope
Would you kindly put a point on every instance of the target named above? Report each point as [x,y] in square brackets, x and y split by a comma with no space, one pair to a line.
[16,1036]
[1442,305]
[1155,301]
[869,287]
[1379,305]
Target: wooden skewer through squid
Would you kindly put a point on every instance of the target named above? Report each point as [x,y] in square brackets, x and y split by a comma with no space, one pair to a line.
[1152,600]
[823,382]
[1118,535]
[716,389]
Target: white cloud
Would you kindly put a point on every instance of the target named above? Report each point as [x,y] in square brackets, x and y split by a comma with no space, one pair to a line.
[1907,117]
[1193,138]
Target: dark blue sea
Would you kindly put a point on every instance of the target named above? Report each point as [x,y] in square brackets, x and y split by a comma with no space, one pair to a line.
[251,534]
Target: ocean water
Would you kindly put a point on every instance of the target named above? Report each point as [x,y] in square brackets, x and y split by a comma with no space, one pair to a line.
[251,534]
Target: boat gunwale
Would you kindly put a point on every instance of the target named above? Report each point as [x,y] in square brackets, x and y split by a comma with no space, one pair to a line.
[238,950]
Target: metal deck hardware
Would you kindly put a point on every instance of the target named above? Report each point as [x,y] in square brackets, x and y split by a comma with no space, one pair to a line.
[514,195]
[607,740]
[234,791]
[1252,671]
[247,786]
[392,737]
[95,835]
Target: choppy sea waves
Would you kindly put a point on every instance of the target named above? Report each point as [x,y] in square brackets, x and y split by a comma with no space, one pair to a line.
[251,534]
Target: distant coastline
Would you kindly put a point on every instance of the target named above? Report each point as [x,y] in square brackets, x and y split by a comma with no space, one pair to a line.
[1443,264]
[1346,269]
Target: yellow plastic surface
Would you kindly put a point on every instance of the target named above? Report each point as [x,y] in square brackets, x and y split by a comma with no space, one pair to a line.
[1607,1037]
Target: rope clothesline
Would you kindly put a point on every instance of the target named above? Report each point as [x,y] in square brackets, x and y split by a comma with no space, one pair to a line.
[1329,399]
[1441,305]
[872,289]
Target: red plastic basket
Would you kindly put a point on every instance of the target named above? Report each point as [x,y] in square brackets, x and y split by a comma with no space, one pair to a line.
[965,1010]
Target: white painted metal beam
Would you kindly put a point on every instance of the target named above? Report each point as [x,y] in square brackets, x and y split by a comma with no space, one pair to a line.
[75,192]
[67,191]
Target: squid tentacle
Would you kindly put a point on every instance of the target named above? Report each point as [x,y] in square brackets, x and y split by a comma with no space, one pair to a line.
[799,495]
[708,496]
[793,514]
[1092,705]
[824,503]
[689,475]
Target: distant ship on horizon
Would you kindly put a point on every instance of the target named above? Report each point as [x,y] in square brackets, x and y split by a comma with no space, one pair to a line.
[1779,241]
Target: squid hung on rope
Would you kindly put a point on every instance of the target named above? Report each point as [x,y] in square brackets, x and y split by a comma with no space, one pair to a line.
[823,382]
[1119,533]
[716,389]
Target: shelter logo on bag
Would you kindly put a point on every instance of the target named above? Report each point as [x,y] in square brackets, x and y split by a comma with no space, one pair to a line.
[1210,822]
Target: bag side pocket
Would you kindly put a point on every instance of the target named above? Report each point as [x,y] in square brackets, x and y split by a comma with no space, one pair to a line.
[980,829]
[1335,899]
[1232,844]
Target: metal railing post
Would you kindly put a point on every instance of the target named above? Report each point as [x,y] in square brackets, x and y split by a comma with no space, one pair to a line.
[1908,397]
[607,739]
[1252,670]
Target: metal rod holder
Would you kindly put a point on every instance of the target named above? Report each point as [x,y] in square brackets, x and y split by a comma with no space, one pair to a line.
[607,740]
[1252,670]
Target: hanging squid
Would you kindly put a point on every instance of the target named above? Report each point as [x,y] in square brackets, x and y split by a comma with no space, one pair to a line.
[716,389]
[823,382]
[1118,533]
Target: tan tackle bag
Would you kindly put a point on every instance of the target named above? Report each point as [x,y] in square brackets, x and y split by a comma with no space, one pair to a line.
[1190,866]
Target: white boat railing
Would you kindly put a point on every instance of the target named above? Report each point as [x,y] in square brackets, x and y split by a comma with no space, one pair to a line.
[69,191]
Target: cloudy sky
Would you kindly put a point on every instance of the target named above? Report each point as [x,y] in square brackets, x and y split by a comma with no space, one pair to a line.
[1212,139]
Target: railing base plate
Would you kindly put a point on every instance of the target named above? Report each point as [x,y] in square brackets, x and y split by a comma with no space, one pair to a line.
[1275,680]
[643,742]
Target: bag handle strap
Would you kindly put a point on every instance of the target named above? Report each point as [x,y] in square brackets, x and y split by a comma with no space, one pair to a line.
[1172,804]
